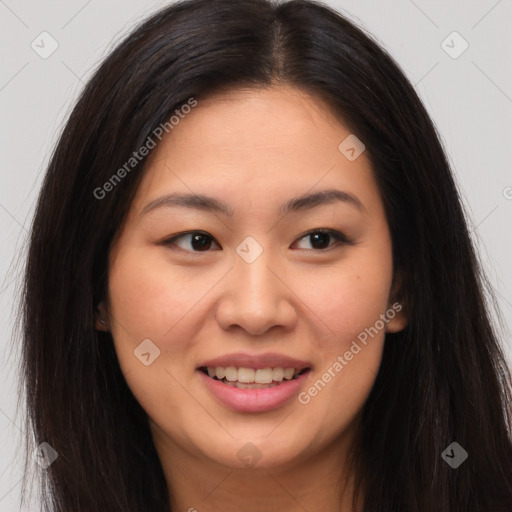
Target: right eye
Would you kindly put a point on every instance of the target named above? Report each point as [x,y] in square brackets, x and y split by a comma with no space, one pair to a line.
[197,241]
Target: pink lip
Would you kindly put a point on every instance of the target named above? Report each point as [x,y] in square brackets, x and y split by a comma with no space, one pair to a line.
[254,400]
[268,360]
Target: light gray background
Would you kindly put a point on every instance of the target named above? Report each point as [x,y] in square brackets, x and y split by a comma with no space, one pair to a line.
[469,98]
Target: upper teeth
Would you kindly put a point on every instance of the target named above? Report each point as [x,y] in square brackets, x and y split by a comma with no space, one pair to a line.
[248,375]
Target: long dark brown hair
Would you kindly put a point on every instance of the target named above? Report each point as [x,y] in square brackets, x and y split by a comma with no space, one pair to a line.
[443,379]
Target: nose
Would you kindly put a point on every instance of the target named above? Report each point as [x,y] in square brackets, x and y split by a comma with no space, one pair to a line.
[256,297]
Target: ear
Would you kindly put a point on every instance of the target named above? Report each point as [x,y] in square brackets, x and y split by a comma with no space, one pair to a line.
[396,311]
[397,318]
[101,322]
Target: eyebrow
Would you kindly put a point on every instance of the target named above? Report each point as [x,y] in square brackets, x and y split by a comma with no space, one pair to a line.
[214,205]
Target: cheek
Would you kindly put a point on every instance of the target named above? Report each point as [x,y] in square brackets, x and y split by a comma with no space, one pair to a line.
[349,298]
[350,303]
[149,296]
[149,299]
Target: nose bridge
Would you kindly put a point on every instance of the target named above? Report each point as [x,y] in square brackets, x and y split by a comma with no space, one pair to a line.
[256,298]
[255,283]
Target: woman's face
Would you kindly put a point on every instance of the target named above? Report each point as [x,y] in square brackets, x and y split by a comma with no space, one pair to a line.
[245,280]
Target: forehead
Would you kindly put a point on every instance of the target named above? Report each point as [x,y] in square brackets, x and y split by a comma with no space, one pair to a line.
[254,146]
[261,122]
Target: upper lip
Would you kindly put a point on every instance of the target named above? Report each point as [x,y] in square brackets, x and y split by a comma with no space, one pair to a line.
[268,360]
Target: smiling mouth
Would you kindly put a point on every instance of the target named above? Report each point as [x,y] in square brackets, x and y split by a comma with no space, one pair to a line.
[249,378]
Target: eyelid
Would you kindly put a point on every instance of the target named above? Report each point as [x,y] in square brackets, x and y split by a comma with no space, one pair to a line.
[170,241]
[340,237]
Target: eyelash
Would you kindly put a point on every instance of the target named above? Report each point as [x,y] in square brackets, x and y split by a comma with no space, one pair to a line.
[338,236]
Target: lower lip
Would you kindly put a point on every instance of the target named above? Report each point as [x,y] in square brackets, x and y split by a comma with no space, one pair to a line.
[254,400]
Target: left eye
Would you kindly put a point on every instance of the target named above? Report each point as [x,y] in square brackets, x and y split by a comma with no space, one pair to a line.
[201,242]
[321,237]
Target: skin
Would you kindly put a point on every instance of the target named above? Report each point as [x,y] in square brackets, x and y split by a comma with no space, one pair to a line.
[253,149]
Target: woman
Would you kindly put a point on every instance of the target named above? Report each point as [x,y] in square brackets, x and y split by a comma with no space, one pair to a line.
[250,284]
